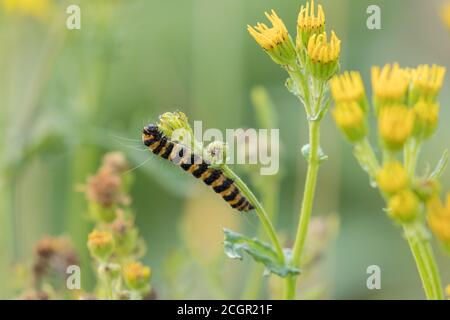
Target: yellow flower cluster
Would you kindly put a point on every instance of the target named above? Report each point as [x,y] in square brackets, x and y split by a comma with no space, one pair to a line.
[312,47]
[406,108]
[404,100]
[439,219]
[350,113]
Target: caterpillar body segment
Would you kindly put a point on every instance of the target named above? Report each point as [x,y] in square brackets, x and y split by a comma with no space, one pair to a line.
[185,158]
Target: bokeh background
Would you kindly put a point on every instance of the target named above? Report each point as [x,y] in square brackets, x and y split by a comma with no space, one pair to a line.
[69,96]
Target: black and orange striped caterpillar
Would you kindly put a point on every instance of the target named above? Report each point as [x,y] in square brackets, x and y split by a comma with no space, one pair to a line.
[184,157]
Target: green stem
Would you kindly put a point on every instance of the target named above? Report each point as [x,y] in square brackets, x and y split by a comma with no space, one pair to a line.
[307,204]
[423,255]
[366,157]
[411,153]
[269,190]
[262,215]
[417,235]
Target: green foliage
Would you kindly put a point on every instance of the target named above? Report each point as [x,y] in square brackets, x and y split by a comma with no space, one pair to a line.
[236,244]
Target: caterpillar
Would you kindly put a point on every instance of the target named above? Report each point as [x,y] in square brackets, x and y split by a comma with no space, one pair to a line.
[200,168]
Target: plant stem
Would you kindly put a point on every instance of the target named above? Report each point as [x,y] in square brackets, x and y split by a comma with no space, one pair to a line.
[269,190]
[366,157]
[411,153]
[307,204]
[426,265]
[262,215]
[417,235]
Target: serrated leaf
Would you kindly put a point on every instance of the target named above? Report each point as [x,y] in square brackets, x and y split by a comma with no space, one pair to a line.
[441,166]
[306,151]
[236,244]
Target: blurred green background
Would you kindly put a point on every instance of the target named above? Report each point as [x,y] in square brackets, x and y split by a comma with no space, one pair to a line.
[69,96]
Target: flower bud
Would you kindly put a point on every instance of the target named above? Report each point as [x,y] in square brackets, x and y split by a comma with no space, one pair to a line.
[308,23]
[426,119]
[404,206]
[137,276]
[175,124]
[392,178]
[395,125]
[100,244]
[390,85]
[426,83]
[323,56]
[276,40]
[349,87]
[351,119]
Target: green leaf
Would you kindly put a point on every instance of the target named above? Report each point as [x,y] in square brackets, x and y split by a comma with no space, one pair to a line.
[236,244]
[306,151]
[440,167]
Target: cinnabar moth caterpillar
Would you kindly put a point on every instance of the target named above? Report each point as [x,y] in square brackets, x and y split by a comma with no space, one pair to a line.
[183,156]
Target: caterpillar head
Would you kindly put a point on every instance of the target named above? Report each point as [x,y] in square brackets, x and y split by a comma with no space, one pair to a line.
[151,129]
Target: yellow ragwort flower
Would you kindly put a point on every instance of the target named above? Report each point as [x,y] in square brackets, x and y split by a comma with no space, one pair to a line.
[101,244]
[322,55]
[426,82]
[274,40]
[389,85]
[349,87]
[308,23]
[36,8]
[447,288]
[137,276]
[392,178]
[404,206]
[439,219]
[426,118]
[446,14]
[395,125]
[351,119]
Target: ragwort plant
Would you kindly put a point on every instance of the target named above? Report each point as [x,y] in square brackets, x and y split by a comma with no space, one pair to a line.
[407,112]
[114,243]
[310,62]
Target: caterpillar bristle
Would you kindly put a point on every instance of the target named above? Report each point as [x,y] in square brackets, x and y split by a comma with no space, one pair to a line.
[190,162]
